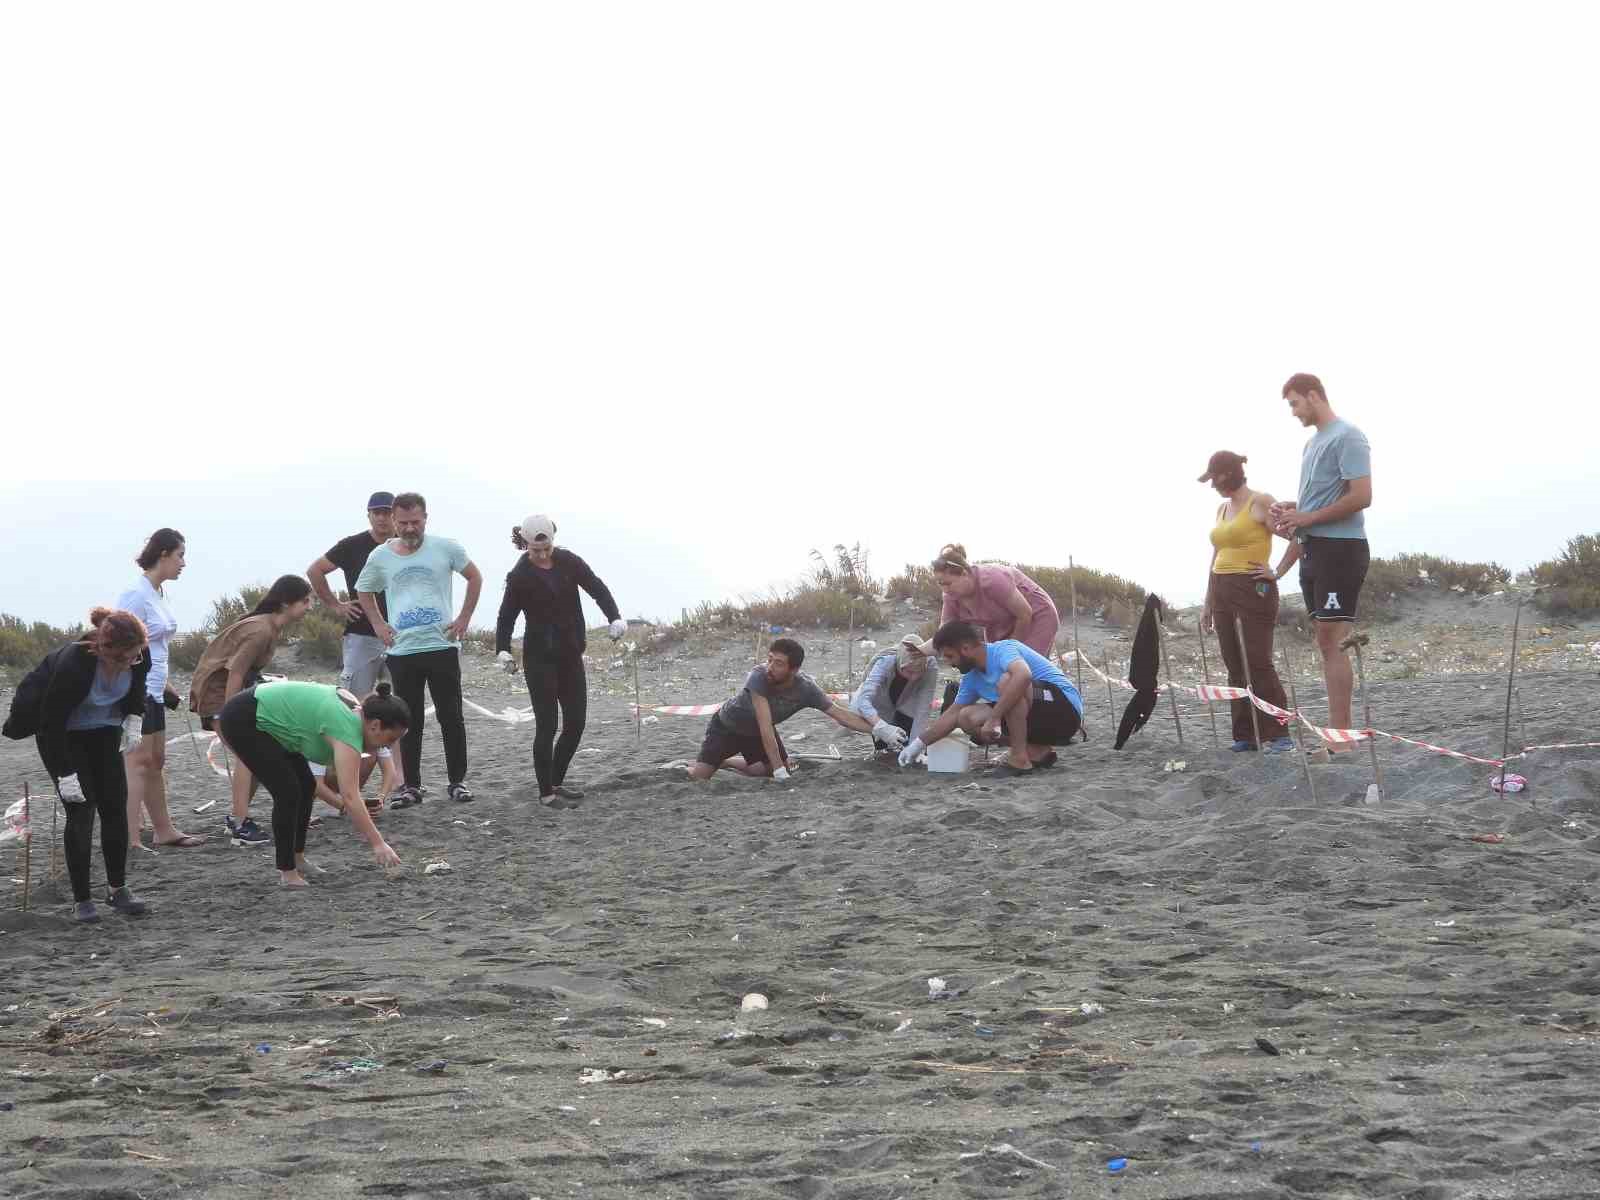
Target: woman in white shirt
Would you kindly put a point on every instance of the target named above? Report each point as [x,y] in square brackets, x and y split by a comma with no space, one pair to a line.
[161,561]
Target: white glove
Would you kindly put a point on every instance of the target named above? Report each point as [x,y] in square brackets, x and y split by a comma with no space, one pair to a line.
[890,735]
[618,628]
[781,774]
[71,790]
[507,663]
[912,752]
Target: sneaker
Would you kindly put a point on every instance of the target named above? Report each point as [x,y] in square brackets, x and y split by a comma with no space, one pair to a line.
[1243,747]
[1283,745]
[248,833]
[573,796]
[85,913]
[125,902]
[405,796]
[459,792]
[553,800]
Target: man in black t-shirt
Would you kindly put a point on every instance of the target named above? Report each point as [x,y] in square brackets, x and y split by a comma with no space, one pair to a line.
[363,649]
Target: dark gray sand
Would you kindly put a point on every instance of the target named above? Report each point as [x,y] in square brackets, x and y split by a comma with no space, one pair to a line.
[1243,993]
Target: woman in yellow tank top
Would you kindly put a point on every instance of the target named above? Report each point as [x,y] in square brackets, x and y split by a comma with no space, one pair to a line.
[1241,585]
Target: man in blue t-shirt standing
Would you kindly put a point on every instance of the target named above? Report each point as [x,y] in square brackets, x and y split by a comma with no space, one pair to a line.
[413,573]
[1327,532]
[1004,685]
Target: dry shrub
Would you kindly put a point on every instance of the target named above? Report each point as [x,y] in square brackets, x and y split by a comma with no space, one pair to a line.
[1570,582]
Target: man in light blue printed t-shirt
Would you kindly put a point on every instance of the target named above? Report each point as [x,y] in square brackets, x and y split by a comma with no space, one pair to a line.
[414,571]
[1327,531]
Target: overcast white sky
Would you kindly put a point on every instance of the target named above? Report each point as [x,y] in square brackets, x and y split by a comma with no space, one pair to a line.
[715,284]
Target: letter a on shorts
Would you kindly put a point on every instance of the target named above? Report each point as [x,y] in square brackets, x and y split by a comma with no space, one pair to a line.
[1333,602]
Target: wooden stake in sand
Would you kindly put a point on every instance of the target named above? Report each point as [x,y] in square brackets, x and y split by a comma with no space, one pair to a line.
[27,843]
[1111,701]
[850,665]
[1077,656]
[1511,683]
[1205,673]
[1354,642]
[194,744]
[1166,661]
[1299,734]
[1249,681]
[55,843]
[638,704]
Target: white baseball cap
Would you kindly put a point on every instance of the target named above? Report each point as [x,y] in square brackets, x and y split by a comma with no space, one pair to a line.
[538,527]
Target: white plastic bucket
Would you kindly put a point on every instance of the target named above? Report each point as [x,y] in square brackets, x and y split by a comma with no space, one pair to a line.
[948,755]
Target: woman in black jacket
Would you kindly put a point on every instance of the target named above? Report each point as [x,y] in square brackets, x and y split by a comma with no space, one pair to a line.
[543,587]
[73,704]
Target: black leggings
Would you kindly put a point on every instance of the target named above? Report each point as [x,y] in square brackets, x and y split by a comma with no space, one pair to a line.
[552,682]
[95,755]
[440,672]
[282,772]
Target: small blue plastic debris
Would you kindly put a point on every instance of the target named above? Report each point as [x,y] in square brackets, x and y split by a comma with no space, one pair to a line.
[1256,1146]
[1116,1165]
[983,1031]
[6,1106]
[264,1048]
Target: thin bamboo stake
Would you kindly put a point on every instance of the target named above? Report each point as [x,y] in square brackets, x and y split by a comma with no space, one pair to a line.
[850,652]
[1072,580]
[1511,683]
[1172,694]
[1521,721]
[27,843]
[638,709]
[1354,642]
[1111,702]
[55,842]
[1249,680]
[1299,733]
[1205,672]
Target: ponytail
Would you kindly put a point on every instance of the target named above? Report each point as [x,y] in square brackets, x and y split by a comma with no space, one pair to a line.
[285,590]
[114,631]
[387,709]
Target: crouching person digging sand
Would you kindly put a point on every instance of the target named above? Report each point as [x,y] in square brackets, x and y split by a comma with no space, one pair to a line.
[1009,694]
[743,734]
[277,729]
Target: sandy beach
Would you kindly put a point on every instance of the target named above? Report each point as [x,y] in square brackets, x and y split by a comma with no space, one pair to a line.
[1242,992]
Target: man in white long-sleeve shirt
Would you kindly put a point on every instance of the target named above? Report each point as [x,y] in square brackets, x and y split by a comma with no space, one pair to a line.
[897,694]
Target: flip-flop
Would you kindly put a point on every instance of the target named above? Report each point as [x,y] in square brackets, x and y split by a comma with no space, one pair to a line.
[1048,761]
[1008,770]
[187,841]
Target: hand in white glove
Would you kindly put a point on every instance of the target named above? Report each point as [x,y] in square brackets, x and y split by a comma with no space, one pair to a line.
[781,774]
[890,735]
[507,663]
[618,628]
[912,752]
[71,790]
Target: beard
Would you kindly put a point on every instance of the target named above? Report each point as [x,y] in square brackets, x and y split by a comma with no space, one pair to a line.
[411,539]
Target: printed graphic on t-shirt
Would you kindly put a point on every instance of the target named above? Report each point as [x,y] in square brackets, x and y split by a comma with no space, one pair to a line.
[420,586]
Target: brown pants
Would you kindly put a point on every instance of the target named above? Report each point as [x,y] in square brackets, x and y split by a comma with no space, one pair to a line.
[1255,603]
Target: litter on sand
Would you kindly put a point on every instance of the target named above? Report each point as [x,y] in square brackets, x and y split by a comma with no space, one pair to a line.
[437,868]
[1512,783]
[1007,1149]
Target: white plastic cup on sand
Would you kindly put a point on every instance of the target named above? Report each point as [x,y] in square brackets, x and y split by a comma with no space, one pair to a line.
[948,756]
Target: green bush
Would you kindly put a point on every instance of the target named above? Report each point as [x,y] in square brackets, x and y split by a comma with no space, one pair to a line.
[23,644]
[1391,580]
[1570,582]
[319,637]
[184,651]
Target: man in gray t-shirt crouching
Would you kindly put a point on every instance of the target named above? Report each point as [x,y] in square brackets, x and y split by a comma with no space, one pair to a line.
[743,733]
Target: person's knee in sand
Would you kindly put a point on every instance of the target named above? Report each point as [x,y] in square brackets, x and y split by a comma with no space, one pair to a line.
[742,735]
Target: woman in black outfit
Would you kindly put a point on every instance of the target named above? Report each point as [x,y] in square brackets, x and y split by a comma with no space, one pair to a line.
[73,705]
[543,587]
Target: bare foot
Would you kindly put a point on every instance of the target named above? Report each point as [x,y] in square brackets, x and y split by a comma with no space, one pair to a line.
[292,879]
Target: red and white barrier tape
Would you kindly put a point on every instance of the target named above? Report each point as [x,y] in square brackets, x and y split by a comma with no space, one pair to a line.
[1208,691]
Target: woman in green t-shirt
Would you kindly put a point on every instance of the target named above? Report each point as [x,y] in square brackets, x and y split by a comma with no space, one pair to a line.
[277,729]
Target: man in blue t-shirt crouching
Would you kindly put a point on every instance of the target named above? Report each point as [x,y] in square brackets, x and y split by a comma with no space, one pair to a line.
[1004,686]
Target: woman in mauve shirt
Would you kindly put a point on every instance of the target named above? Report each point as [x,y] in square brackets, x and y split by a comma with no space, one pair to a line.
[1000,599]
